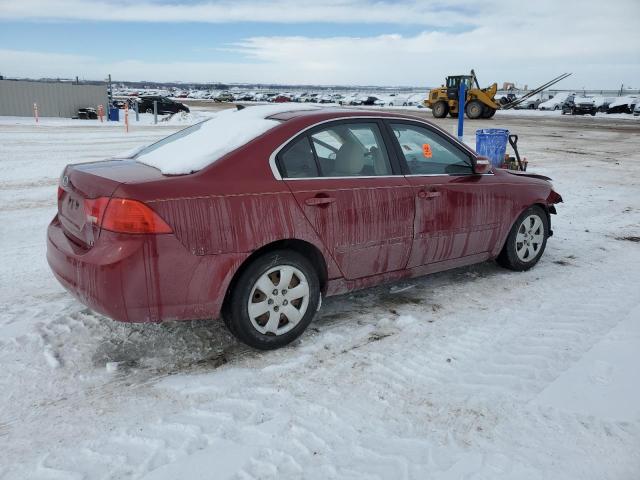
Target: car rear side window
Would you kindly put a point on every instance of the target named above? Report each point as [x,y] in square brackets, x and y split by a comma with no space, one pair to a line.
[298,161]
[351,150]
[427,153]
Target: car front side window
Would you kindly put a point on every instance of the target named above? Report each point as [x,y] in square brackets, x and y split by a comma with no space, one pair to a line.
[427,153]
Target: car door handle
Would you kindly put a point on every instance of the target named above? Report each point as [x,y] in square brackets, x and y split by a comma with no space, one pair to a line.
[425,194]
[319,201]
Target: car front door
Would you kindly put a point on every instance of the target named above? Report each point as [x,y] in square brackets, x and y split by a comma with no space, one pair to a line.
[458,213]
[351,190]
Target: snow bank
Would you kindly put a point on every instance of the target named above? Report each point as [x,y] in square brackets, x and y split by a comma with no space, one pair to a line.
[200,145]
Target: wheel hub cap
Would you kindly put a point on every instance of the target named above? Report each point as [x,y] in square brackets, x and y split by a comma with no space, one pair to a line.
[278,300]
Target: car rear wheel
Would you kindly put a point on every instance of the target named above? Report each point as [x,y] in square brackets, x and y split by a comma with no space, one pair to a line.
[273,301]
[526,241]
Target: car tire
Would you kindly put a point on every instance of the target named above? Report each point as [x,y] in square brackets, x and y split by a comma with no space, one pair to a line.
[273,319]
[474,109]
[440,109]
[526,241]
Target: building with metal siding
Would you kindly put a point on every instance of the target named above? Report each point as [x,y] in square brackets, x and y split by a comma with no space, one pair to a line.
[54,99]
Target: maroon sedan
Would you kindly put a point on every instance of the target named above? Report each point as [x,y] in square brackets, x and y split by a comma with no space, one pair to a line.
[255,214]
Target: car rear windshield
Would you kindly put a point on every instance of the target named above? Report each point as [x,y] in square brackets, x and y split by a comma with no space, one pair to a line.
[200,145]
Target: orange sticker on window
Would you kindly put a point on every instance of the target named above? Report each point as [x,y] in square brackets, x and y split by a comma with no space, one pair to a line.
[426,150]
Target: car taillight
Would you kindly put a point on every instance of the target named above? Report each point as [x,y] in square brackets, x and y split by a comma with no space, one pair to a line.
[124,215]
[60,192]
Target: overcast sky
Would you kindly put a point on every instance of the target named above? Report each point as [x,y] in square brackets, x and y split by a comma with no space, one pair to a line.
[341,42]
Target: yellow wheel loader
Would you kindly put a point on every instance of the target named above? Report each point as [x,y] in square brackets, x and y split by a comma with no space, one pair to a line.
[479,102]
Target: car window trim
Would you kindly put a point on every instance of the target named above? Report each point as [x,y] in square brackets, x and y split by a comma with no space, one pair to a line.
[403,162]
[275,161]
[314,152]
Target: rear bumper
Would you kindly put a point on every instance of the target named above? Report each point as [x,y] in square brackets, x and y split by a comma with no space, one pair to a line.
[141,278]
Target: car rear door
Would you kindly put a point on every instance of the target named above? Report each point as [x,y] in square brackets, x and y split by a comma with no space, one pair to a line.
[351,190]
[458,213]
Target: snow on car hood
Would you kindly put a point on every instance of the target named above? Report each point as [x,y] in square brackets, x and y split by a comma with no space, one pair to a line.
[584,100]
[200,145]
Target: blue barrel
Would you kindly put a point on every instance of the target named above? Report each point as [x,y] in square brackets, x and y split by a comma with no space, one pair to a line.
[492,143]
[114,114]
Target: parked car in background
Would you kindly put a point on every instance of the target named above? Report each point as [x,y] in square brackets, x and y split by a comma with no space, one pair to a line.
[244,97]
[415,99]
[575,105]
[88,113]
[636,110]
[624,104]
[370,100]
[529,104]
[165,105]
[353,99]
[281,99]
[338,200]
[556,102]
[602,103]
[224,97]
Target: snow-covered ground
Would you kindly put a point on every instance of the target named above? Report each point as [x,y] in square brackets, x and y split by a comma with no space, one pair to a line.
[477,373]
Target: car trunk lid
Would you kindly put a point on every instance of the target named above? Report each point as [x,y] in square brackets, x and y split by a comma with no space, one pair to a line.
[84,182]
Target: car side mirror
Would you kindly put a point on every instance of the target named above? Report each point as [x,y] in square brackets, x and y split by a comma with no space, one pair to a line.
[482,165]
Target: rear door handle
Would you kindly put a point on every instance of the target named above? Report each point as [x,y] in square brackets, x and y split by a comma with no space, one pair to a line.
[319,201]
[431,194]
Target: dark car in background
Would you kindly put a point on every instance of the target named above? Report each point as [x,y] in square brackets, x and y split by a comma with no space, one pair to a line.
[166,106]
[625,104]
[579,106]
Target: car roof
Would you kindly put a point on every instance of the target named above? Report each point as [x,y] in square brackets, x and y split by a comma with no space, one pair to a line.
[315,114]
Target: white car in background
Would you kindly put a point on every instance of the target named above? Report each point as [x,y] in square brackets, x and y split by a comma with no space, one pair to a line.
[556,102]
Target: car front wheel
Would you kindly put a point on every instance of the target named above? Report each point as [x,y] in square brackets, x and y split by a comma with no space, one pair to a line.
[273,301]
[526,241]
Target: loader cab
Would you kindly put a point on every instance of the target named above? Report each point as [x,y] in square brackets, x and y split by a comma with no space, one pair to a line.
[453,85]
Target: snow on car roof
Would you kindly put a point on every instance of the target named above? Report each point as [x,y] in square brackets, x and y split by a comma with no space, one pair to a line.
[200,145]
[626,100]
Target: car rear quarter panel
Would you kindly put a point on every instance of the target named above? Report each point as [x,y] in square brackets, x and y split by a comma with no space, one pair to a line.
[234,206]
